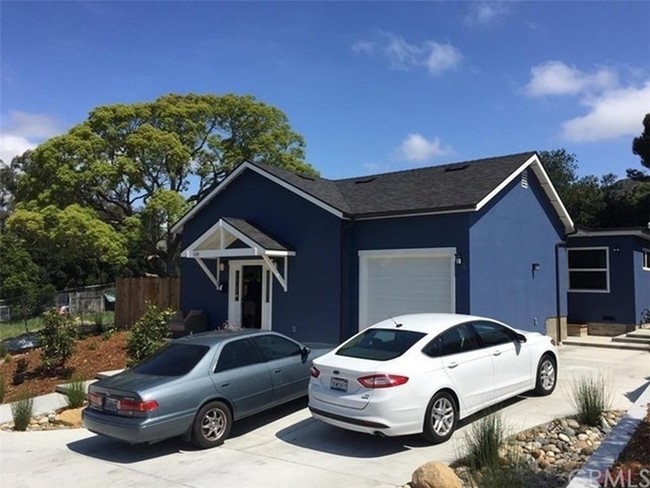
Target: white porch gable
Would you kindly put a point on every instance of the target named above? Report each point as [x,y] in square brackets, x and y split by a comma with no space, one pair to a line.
[216,242]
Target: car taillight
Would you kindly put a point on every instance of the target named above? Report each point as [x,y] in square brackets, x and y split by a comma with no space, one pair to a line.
[131,405]
[382,380]
[95,400]
[314,372]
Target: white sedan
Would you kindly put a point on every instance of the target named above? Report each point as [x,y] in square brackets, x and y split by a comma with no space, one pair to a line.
[421,373]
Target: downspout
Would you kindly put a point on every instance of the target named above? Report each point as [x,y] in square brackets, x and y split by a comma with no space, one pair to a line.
[558,311]
[345,279]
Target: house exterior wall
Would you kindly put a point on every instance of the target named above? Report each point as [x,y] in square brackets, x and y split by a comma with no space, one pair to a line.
[629,284]
[641,279]
[517,228]
[310,309]
[429,231]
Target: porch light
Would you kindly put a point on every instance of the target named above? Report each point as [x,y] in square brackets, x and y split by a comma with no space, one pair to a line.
[457,259]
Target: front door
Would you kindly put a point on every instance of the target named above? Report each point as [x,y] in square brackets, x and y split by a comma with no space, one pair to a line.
[249,295]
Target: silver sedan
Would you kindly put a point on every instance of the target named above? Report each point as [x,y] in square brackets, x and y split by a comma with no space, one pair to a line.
[197,386]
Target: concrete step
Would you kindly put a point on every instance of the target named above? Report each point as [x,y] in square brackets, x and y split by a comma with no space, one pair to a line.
[641,333]
[631,339]
[606,342]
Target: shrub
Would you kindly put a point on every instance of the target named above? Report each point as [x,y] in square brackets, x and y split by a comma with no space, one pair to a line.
[506,476]
[21,411]
[75,394]
[482,442]
[148,334]
[590,397]
[3,349]
[57,339]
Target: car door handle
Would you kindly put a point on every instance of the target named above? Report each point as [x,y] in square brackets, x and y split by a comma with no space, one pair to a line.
[277,371]
[223,385]
[452,365]
[496,353]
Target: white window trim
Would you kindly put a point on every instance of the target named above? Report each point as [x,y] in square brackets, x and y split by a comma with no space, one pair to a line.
[448,252]
[234,307]
[601,248]
[644,253]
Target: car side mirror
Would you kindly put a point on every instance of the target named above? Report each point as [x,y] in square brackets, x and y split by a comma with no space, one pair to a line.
[520,338]
[305,351]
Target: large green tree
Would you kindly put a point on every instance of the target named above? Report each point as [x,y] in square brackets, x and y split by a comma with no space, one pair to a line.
[139,167]
[596,201]
[641,147]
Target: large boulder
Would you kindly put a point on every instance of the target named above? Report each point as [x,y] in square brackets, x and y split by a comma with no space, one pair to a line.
[435,475]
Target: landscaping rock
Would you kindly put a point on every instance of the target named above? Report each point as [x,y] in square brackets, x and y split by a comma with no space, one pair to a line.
[435,475]
[71,417]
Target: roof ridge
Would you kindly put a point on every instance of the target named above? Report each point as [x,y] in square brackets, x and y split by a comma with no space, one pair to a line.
[456,163]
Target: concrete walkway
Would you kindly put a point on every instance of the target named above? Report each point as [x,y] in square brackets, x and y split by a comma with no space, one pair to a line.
[286,447]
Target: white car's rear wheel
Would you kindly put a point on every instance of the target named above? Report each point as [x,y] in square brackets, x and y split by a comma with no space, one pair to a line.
[546,375]
[441,418]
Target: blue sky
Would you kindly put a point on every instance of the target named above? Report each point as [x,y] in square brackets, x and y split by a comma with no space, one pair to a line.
[372,86]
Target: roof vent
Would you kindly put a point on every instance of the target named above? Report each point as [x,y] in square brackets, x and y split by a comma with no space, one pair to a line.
[449,169]
[306,177]
[365,180]
[524,178]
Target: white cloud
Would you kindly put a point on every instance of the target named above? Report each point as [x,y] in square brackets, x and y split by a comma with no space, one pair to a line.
[556,78]
[401,55]
[486,13]
[417,148]
[11,146]
[25,131]
[442,57]
[612,114]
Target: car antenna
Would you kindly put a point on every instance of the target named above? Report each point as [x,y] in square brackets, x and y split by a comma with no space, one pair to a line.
[395,322]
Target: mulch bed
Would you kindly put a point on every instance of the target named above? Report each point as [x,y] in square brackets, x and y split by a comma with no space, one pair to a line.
[92,354]
[636,456]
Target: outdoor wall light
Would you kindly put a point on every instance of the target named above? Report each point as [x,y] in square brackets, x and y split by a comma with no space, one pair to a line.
[536,267]
[457,259]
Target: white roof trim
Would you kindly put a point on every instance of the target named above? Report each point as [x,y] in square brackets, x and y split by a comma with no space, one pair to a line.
[178,226]
[253,249]
[547,186]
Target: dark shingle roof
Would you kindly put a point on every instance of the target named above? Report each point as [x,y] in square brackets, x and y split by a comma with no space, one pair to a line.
[253,233]
[448,187]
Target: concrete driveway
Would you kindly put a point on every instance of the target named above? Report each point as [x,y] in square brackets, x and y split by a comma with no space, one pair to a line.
[286,447]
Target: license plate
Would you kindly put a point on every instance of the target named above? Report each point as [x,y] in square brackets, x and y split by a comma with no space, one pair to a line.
[339,384]
[110,404]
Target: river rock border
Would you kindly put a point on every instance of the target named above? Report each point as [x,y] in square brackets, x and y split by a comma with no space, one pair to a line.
[603,459]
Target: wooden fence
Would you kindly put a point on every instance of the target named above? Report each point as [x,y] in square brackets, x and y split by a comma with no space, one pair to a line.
[131,295]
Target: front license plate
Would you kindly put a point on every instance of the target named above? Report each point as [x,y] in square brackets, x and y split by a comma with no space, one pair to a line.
[339,384]
[110,404]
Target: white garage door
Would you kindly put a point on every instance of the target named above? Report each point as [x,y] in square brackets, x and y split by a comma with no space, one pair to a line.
[398,282]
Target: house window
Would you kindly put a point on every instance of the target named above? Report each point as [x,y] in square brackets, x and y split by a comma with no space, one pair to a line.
[646,259]
[589,270]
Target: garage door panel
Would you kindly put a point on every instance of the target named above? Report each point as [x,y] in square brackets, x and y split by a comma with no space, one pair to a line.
[398,285]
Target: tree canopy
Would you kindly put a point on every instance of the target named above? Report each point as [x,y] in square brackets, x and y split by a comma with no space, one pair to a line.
[641,147]
[115,183]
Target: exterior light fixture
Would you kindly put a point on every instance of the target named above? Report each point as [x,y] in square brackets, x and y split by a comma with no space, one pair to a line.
[457,259]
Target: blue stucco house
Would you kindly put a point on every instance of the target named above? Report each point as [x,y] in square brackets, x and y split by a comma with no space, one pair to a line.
[609,276]
[320,259]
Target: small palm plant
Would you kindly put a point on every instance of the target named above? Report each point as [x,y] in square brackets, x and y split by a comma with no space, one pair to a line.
[75,394]
[22,411]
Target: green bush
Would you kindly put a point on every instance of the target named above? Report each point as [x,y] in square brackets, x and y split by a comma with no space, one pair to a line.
[482,442]
[57,339]
[590,397]
[148,334]
[506,476]
[21,411]
[75,394]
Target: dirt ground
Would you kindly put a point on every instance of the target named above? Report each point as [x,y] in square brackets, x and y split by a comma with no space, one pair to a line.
[92,354]
[636,455]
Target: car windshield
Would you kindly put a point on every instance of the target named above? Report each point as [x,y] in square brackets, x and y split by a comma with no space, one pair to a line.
[172,360]
[380,344]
